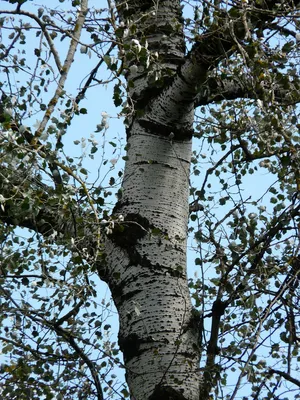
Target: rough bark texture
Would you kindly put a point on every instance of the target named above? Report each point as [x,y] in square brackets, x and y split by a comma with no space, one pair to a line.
[146,255]
[147,261]
[148,279]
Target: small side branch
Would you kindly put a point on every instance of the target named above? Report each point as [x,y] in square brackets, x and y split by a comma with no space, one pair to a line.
[285,376]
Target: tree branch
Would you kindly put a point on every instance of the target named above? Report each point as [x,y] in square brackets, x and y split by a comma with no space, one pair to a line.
[218,89]
[211,369]
[222,41]
[27,202]
[65,68]
[90,364]
[285,376]
[209,50]
[44,30]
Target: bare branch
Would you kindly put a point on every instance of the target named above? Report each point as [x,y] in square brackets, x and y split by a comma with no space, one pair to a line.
[65,68]
[92,75]
[285,376]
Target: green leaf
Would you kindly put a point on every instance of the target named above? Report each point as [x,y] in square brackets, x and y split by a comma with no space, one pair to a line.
[25,281]
[287,47]
[83,171]
[107,60]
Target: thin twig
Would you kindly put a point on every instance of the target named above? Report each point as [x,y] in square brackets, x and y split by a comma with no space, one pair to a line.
[65,69]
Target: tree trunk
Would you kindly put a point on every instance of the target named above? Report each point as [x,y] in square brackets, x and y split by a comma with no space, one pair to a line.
[147,270]
[144,260]
[147,258]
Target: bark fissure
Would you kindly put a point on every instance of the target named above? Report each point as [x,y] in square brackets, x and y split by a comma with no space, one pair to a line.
[166,345]
[145,251]
[163,355]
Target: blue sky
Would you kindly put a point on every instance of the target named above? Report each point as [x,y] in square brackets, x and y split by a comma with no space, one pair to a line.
[99,100]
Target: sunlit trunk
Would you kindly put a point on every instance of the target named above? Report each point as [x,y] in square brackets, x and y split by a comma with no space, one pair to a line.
[147,260]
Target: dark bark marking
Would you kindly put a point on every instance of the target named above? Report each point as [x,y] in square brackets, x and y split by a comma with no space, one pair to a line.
[166,131]
[166,393]
[154,162]
[127,235]
[119,205]
[126,297]
[130,345]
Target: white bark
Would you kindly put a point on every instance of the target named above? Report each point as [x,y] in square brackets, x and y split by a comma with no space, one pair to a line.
[147,269]
[148,276]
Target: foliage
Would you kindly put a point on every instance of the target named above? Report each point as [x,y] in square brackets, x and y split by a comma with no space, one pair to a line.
[55,327]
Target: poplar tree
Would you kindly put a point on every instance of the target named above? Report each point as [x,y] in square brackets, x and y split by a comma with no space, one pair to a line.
[208,94]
